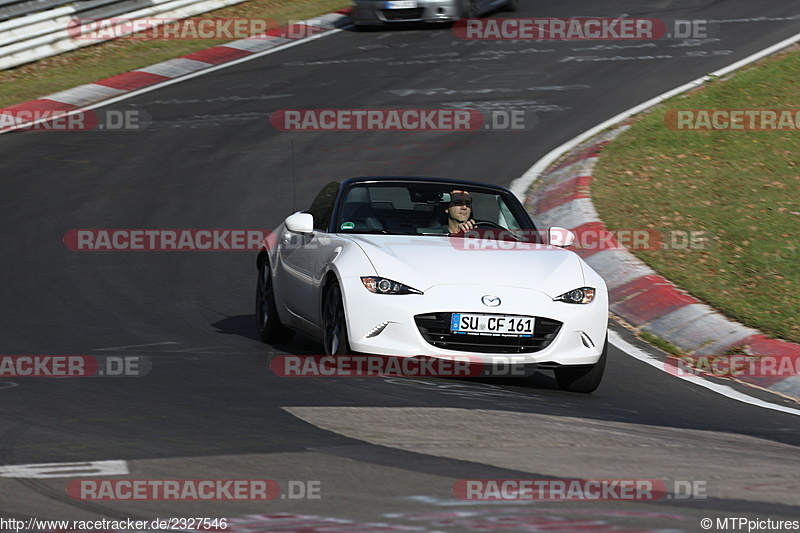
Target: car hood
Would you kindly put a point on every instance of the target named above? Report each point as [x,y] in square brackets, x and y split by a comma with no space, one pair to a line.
[424,261]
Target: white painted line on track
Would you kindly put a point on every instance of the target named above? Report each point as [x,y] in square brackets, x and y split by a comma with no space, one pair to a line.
[616,340]
[51,470]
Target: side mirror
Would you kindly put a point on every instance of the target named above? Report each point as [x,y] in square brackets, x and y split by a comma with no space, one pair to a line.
[561,237]
[300,223]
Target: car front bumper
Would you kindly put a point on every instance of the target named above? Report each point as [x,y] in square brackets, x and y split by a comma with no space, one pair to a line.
[385,324]
[374,12]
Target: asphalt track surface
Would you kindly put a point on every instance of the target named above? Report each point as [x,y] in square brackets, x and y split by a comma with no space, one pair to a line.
[385,451]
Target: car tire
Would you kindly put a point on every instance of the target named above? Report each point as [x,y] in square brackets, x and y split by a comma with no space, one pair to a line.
[268,323]
[511,5]
[334,323]
[583,379]
[469,9]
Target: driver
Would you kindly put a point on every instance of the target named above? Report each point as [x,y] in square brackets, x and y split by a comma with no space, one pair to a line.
[459,212]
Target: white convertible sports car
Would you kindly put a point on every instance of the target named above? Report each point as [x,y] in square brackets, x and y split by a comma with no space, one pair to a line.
[433,267]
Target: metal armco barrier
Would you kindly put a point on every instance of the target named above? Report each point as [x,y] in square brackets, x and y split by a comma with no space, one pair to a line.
[43,34]
[10,9]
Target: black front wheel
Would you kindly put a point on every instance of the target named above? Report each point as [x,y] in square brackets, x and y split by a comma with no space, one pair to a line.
[584,378]
[334,325]
[269,325]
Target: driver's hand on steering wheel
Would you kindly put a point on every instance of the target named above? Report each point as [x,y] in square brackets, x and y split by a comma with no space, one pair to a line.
[467,226]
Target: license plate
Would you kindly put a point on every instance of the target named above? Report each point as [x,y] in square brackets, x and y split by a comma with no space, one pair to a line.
[401,4]
[506,325]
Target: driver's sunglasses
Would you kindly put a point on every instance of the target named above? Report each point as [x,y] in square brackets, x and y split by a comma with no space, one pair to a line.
[461,201]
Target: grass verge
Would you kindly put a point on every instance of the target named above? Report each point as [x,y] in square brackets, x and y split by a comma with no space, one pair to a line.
[660,343]
[86,65]
[742,188]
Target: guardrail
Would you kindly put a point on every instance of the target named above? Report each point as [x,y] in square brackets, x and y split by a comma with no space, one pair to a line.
[16,8]
[44,34]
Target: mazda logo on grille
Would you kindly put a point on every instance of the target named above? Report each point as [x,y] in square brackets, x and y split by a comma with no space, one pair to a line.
[490,301]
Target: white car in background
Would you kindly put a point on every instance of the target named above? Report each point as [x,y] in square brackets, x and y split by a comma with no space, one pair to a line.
[371,267]
[384,12]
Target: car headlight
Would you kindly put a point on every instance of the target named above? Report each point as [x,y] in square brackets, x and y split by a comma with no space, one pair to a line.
[387,286]
[584,295]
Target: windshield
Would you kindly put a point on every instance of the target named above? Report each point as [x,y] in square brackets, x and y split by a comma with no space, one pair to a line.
[427,209]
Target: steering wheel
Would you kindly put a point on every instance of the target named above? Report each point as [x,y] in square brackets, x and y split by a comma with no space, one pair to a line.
[488,224]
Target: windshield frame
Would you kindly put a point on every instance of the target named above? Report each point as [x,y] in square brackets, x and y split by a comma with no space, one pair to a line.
[509,199]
